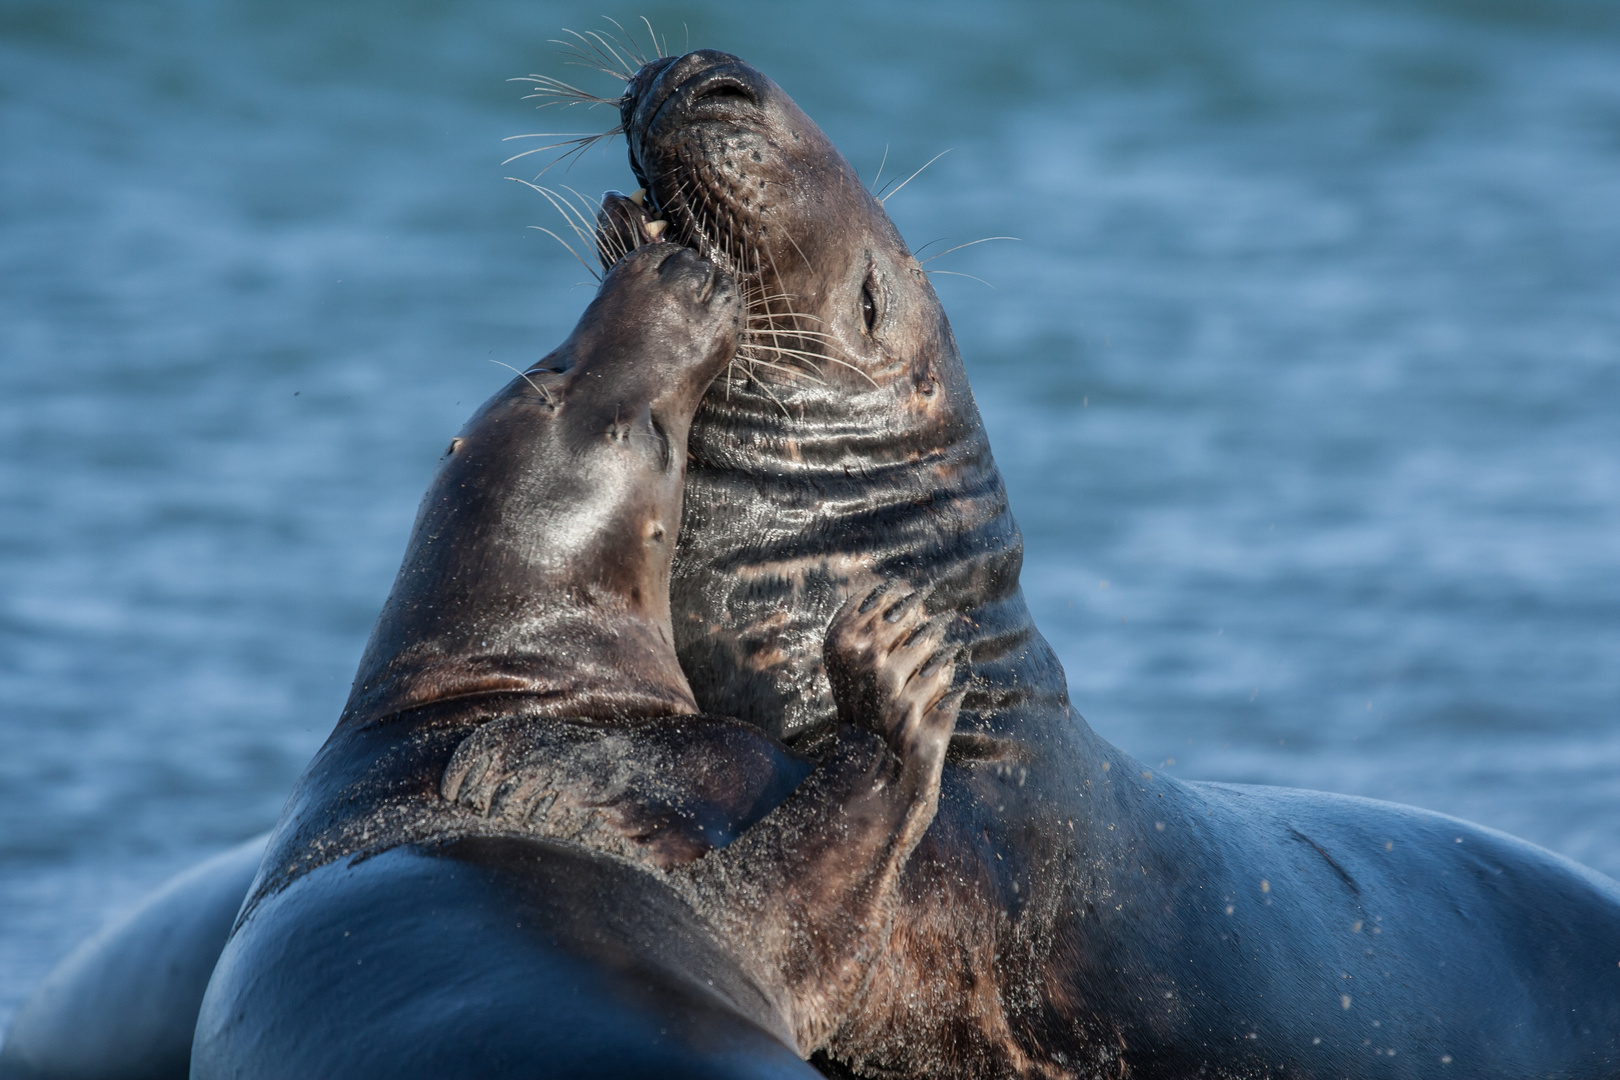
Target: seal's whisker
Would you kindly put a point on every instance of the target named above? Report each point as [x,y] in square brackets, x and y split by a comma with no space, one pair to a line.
[818,356]
[579,144]
[592,50]
[958,273]
[578,151]
[660,47]
[595,273]
[797,355]
[761,309]
[811,333]
[570,135]
[696,232]
[783,350]
[959,247]
[567,101]
[879,174]
[773,327]
[607,45]
[731,241]
[587,206]
[797,373]
[541,149]
[585,60]
[611,243]
[783,296]
[566,94]
[773,397]
[856,370]
[542,391]
[678,198]
[789,314]
[770,317]
[583,226]
[628,44]
[768,310]
[885,198]
[586,236]
[797,248]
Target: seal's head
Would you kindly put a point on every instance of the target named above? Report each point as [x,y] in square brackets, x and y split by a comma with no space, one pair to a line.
[745,177]
[540,560]
[616,404]
[844,444]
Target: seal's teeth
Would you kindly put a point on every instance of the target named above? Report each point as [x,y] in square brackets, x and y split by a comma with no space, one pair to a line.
[655,228]
[639,196]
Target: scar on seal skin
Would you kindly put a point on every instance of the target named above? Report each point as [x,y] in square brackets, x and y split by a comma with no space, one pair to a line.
[522,800]
[1068,912]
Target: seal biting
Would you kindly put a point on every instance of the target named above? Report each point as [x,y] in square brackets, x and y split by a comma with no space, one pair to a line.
[524,850]
[1069,912]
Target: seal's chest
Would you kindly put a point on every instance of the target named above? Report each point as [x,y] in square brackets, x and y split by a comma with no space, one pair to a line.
[662,791]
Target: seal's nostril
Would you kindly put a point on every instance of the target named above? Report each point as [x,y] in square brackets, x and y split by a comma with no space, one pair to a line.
[723,87]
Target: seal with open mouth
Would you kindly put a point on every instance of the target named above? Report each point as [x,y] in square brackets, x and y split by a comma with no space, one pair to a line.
[524,851]
[1068,913]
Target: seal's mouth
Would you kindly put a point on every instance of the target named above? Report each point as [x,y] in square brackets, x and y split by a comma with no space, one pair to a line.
[712,144]
[621,230]
[727,165]
[626,222]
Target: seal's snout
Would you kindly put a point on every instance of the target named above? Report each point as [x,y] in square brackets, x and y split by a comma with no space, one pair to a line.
[707,85]
[725,84]
[704,84]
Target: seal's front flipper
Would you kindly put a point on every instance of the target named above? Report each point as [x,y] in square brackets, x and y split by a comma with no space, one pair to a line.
[807,897]
[890,675]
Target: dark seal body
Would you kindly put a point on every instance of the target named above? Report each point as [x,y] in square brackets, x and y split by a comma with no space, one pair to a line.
[123,1005]
[524,851]
[1068,913]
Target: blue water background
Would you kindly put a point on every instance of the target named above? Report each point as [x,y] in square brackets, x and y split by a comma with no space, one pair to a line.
[1304,376]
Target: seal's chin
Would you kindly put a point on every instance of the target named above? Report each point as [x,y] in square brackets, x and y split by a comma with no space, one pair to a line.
[722,156]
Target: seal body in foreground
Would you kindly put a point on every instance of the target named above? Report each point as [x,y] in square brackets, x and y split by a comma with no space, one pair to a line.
[123,1005]
[1069,912]
[524,851]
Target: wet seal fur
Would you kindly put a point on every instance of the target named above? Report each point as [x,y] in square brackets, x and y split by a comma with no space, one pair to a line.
[1069,912]
[524,851]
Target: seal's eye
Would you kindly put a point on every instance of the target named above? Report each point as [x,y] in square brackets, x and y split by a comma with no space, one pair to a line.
[868,304]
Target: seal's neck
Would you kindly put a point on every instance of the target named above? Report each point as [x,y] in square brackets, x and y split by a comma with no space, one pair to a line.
[791,509]
[530,571]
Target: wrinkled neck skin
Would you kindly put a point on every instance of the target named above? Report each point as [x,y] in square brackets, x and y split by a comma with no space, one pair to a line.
[787,515]
[539,562]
